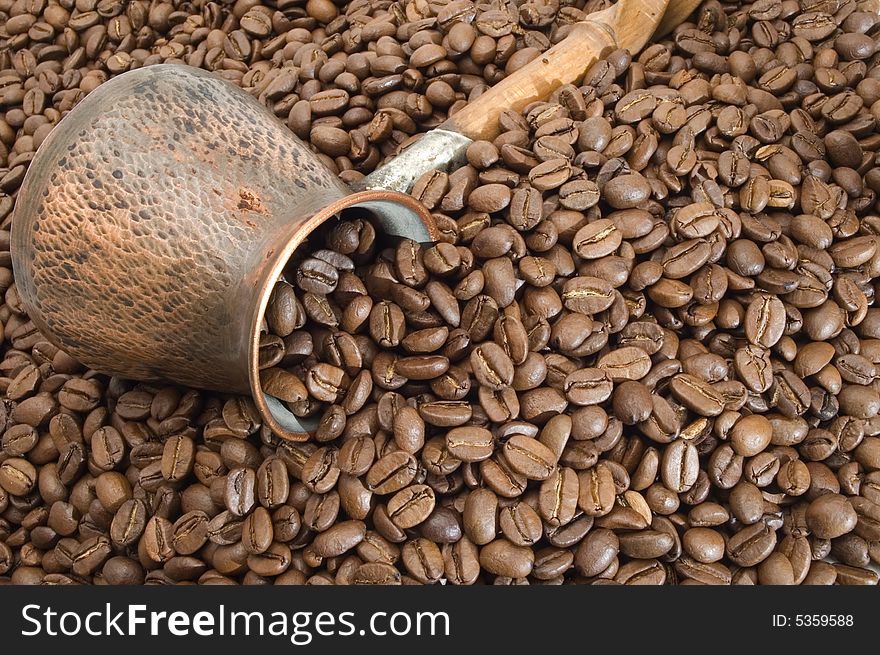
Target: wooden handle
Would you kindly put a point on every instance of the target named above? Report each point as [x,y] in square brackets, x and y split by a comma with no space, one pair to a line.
[562,64]
[627,24]
[676,13]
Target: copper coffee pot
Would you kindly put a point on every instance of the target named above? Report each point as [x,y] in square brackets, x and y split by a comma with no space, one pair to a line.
[157,216]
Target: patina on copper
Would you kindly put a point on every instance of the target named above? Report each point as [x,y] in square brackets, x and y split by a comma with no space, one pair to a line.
[157,216]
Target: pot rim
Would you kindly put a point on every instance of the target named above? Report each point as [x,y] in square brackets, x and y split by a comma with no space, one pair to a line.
[391,207]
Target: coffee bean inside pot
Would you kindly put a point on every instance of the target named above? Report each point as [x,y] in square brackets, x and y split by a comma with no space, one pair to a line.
[643,350]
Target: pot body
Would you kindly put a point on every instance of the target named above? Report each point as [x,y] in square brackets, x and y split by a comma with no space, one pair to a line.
[156,217]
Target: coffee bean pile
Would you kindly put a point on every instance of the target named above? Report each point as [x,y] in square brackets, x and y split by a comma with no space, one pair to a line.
[644,350]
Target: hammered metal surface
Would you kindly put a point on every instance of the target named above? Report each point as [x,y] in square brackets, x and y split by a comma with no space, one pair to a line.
[143,225]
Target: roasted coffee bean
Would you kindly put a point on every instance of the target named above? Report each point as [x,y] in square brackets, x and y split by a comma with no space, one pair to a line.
[387,324]
[587,295]
[391,473]
[520,524]
[239,496]
[470,444]
[597,239]
[489,198]
[503,558]
[446,413]
[410,506]
[325,382]
[501,478]
[750,435]
[645,544]
[764,321]
[158,540]
[752,544]
[597,491]
[422,367]
[529,457]
[128,523]
[273,483]
[550,174]
[579,195]
[703,544]
[697,395]
[596,552]
[830,515]
[339,539]
[190,532]
[480,516]
[18,477]
[442,526]
[558,498]
[679,466]
[626,191]
[588,387]
[423,560]
[632,402]
[746,502]
[319,471]
[317,276]
[627,363]
[178,457]
[283,385]
[492,367]
[461,562]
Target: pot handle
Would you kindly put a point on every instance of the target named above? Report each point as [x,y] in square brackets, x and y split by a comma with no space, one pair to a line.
[562,64]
